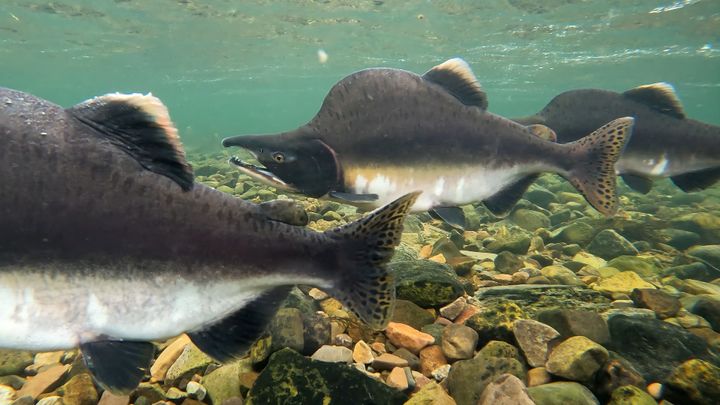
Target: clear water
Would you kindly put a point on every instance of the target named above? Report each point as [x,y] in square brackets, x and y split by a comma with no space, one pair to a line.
[227,67]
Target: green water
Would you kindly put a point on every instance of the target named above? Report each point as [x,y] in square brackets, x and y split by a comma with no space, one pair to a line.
[230,67]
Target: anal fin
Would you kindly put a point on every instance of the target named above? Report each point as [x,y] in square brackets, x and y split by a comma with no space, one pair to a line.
[503,201]
[638,183]
[696,181]
[118,366]
[232,336]
[453,216]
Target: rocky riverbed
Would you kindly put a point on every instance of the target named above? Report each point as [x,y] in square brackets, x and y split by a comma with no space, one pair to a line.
[553,304]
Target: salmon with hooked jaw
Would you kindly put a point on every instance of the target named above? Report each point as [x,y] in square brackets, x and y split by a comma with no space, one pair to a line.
[383,132]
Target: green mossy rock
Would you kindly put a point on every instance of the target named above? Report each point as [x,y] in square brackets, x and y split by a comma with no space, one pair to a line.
[290,378]
[191,361]
[14,361]
[577,358]
[529,220]
[495,323]
[224,382]
[642,266]
[426,283]
[517,243]
[562,393]
[558,274]
[411,314]
[577,232]
[609,244]
[468,378]
[696,380]
[79,390]
[705,224]
[707,253]
[631,395]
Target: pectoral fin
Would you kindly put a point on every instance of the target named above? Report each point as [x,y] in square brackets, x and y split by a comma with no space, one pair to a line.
[502,202]
[354,198]
[453,216]
[231,337]
[118,366]
[638,183]
[697,181]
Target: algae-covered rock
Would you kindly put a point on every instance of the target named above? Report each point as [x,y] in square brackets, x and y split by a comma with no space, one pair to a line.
[290,378]
[615,373]
[705,224]
[697,271]
[642,266]
[558,274]
[14,361]
[609,244]
[623,282]
[696,380]
[569,322]
[654,347]
[468,378]
[495,323]
[577,232]
[708,253]
[411,314]
[577,358]
[562,393]
[431,394]
[680,239]
[709,309]
[529,220]
[498,348]
[190,362]
[664,304]
[79,390]
[517,243]
[286,329]
[224,382]
[540,196]
[426,283]
[631,395]
[507,263]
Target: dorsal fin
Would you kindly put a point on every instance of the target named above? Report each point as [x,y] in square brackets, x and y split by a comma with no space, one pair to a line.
[458,79]
[658,96]
[139,125]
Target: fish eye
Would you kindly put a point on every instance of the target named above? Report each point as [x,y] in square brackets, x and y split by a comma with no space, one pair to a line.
[278,157]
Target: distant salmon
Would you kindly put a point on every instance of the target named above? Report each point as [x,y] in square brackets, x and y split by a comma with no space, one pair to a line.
[664,144]
[383,132]
[107,243]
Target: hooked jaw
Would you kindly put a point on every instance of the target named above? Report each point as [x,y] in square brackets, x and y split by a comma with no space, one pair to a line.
[260,173]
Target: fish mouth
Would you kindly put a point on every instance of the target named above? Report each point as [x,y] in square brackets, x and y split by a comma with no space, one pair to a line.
[260,173]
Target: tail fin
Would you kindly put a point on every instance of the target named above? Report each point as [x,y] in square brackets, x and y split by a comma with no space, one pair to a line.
[593,173]
[364,246]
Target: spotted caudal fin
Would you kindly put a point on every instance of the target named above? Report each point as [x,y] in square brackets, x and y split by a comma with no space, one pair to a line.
[594,157]
[363,249]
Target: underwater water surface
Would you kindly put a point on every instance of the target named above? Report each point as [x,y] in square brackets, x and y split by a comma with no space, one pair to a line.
[228,67]
[552,303]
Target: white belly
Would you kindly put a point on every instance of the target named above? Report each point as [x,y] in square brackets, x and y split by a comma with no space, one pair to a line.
[40,312]
[450,186]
